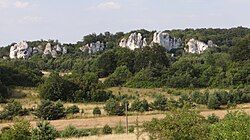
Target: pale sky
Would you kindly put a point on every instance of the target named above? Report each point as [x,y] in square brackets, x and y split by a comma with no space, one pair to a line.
[69,20]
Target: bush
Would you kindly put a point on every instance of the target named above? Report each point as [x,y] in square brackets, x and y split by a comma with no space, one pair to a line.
[119,129]
[180,125]
[213,102]
[114,107]
[96,111]
[44,131]
[160,103]
[73,110]
[234,126]
[50,111]
[107,129]
[19,131]
[131,129]
[213,119]
[70,131]
[140,106]
[11,110]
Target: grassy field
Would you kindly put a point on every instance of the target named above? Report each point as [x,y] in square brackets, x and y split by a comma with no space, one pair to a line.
[29,98]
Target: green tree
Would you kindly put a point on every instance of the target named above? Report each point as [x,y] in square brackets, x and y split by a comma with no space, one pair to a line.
[213,102]
[180,124]
[73,110]
[44,131]
[11,110]
[96,111]
[235,126]
[160,103]
[107,129]
[50,111]
[140,106]
[119,77]
[19,131]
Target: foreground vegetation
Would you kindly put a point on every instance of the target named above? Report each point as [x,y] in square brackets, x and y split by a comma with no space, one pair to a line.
[180,83]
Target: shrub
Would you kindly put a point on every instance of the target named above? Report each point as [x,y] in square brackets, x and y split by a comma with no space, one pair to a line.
[140,106]
[11,110]
[180,124]
[107,129]
[234,126]
[96,111]
[50,111]
[213,118]
[69,131]
[213,102]
[160,103]
[19,131]
[114,107]
[131,129]
[119,129]
[73,110]
[44,131]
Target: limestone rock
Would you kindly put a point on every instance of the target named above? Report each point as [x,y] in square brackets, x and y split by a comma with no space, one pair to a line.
[93,47]
[38,49]
[166,41]
[196,46]
[134,41]
[20,50]
[54,51]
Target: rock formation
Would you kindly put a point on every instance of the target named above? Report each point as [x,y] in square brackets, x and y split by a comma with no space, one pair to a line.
[196,46]
[93,47]
[166,41]
[135,40]
[20,50]
[53,51]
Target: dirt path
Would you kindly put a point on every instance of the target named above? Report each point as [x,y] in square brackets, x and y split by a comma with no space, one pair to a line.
[114,120]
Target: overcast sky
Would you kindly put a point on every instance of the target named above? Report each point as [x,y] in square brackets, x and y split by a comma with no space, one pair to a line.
[70,20]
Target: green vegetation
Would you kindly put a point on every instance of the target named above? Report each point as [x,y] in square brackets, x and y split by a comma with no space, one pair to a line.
[50,111]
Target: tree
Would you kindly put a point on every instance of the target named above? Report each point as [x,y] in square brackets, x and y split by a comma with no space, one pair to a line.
[180,124]
[50,111]
[114,107]
[44,131]
[119,77]
[19,131]
[213,102]
[235,126]
[55,88]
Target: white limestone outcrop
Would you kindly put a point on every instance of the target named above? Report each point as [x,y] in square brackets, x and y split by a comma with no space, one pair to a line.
[196,46]
[166,41]
[134,41]
[20,50]
[93,47]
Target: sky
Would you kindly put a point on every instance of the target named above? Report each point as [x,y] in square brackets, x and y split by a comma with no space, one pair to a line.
[69,20]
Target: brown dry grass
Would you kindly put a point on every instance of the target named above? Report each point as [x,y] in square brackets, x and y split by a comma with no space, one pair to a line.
[110,137]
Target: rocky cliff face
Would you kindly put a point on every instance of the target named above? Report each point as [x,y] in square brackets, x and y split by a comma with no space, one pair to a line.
[93,47]
[22,50]
[196,46]
[134,41]
[53,51]
[166,41]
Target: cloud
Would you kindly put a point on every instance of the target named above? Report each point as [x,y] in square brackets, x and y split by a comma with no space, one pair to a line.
[21,4]
[109,5]
[3,3]
[31,19]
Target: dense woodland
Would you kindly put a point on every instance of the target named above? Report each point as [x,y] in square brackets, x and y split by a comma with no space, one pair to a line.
[226,66]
